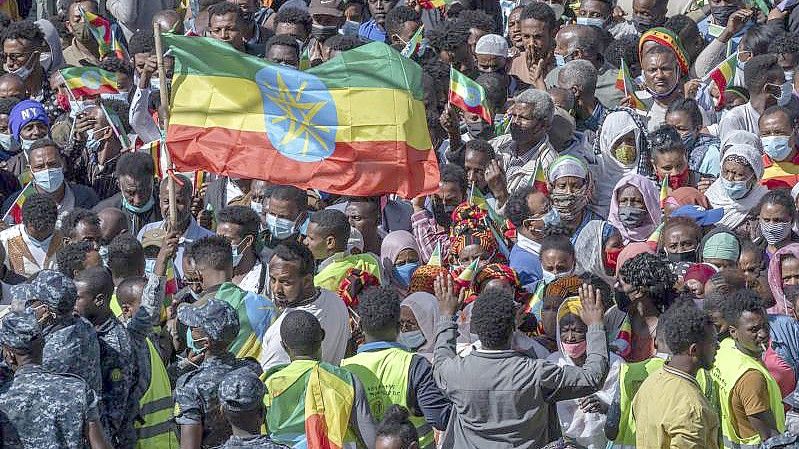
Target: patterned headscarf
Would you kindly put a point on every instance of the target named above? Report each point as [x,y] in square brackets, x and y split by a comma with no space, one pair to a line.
[353,283]
[502,272]
[423,278]
[469,228]
[666,38]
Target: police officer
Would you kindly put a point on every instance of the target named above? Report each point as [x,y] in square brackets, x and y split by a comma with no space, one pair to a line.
[241,394]
[117,364]
[43,409]
[213,327]
[70,343]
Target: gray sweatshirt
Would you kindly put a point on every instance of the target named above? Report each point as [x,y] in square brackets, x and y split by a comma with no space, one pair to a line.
[506,399]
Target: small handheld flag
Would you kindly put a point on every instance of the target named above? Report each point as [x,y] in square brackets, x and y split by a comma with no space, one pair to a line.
[119,50]
[435,258]
[14,214]
[467,95]
[467,275]
[90,81]
[116,125]
[624,83]
[723,74]
[664,191]
[100,27]
[413,45]
[540,180]
[154,148]
[305,59]
[432,4]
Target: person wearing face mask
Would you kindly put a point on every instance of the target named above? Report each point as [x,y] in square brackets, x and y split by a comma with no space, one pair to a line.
[28,122]
[526,147]
[432,217]
[241,226]
[557,260]
[6,105]
[737,190]
[584,42]
[291,272]
[47,170]
[569,186]
[472,241]
[328,233]
[185,226]
[634,208]
[662,73]
[84,50]
[286,213]
[599,14]
[124,73]
[32,245]
[390,363]
[137,196]
[582,419]
[597,249]
[212,326]
[776,214]
[765,81]
[22,45]
[679,240]
[721,249]
[702,149]
[209,261]
[781,161]
[399,256]
[326,19]
[783,276]
[670,161]
[401,24]
[530,212]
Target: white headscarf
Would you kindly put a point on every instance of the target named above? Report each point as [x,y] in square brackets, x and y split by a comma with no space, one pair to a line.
[589,249]
[425,308]
[610,170]
[741,137]
[736,211]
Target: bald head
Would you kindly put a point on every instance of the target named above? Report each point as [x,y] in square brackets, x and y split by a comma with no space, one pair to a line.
[580,42]
[112,223]
[169,19]
[12,86]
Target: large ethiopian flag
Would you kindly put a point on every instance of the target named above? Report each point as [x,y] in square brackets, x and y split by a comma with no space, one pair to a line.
[353,125]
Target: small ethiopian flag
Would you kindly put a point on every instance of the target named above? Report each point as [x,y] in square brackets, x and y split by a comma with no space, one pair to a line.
[354,125]
[664,191]
[467,275]
[90,81]
[467,95]
[435,258]
[723,74]
[414,44]
[432,4]
[14,213]
[100,27]
[624,83]
[540,179]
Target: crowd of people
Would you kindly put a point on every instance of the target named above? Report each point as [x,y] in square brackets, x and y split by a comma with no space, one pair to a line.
[612,261]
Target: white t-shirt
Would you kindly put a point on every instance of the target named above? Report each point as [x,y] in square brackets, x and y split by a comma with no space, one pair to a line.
[332,314]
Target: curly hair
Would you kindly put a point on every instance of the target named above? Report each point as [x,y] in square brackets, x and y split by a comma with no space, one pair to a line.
[40,211]
[136,164]
[624,48]
[396,423]
[496,89]
[474,18]
[7,104]
[332,222]
[682,325]
[399,15]
[26,30]
[691,109]
[340,42]
[542,12]
[211,252]
[664,140]
[653,275]
[454,174]
[75,216]
[785,43]
[295,252]
[379,309]
[516,208]
[493,318]
[72,257]
[560,243]
[448,36]
[125,256]
[480,146]
[294,16]
[738,302]
[282,39]
[141,41]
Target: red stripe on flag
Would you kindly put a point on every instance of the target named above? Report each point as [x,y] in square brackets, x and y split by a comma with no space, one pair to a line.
[87,92]
[458,101]
[355,168]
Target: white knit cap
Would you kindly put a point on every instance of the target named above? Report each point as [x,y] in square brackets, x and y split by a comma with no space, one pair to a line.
[492,44]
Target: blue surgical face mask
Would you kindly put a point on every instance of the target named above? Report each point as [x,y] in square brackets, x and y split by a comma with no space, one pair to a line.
[560,60]
[26,144]
[103,251]
[121,96]
[238,252]
[149,266]
[49,180]
[592,21]
[93,144]
[550,276]
[40,243]
[735,189]
[280,228]
[350,28]
[138,209]
[192,343]
[777,147]
[404,272]
[5,141]
[257,206]
[412,340]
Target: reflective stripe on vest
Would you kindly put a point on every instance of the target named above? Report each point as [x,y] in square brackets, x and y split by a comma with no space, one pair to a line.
[156,428]
[730,365]
[384,375]
[631,376]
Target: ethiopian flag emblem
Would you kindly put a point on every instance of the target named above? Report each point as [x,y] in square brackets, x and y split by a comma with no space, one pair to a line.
[353,125]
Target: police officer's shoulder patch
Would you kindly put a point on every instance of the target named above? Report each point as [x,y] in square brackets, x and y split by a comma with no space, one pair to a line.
[116,375]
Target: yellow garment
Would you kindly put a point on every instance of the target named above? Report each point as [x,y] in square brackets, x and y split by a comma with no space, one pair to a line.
[336,266]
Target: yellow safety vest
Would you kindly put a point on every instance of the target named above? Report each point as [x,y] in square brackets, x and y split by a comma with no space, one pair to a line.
[631,376]
[730,365]
[156,428]
[384,375]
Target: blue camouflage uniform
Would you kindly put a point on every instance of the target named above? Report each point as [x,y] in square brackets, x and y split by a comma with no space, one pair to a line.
[120,374]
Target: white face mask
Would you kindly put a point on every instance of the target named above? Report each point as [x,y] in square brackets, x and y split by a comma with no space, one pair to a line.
[550,276]
[46,60]
[121,96]
[5,140]
[23,72]
[49,180]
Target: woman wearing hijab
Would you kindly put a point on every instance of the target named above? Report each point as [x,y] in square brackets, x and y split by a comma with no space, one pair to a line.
[418,320]
[582,419]
[471,238]
[399,256]
[783,271]
[635,208]
[597,249]
[570,192]
[720,248]
[621,148]
[737,191]
[424,278]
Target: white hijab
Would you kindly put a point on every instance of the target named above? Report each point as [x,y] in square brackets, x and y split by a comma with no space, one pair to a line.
[610,170]
[736,211]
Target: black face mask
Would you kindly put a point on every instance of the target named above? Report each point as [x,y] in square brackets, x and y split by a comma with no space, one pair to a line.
[721,14]
[441,215]
[323,32]
[643,25]
[622,300]
[688,256]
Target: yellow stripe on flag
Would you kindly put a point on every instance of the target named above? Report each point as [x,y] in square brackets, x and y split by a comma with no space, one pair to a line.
[236,104]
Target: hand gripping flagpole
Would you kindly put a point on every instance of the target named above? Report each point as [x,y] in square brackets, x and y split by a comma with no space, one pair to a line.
[159,51]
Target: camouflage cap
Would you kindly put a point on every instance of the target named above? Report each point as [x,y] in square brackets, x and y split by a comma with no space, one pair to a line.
[217,318]
[20,295]
[55,290]
[241,390]
[19,329]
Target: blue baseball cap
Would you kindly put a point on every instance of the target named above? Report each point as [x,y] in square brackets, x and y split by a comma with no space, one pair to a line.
[702,216]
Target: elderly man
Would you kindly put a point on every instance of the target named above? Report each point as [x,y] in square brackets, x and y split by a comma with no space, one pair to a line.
[527,146]
[580,77]
[575,42]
